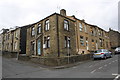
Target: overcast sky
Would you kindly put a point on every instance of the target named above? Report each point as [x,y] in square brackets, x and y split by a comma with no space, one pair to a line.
[103,13]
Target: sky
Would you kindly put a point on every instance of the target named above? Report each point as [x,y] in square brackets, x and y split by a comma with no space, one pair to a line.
[103,13]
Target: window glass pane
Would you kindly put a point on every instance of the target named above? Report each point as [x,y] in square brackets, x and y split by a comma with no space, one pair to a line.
[48,40]
[39,28]
[66,25]
[33,31]
[47,25]
[80,26]
[68,41]
[81,40]
[65,41]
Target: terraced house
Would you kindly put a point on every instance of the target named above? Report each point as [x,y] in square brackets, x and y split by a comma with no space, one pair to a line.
[61,35]
[89,37]
[14,40]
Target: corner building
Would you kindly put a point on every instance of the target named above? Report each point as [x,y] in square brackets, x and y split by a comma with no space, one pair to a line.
[61,35]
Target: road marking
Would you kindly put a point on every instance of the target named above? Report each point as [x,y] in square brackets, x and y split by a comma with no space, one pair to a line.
[93,71]
[109,63]
[74,67]
[117,76]
[114,74]
[90,65]
[105,65]
[113,61]
[100,67]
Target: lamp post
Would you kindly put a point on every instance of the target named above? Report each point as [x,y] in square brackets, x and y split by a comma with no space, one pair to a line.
[18,50]
[17,55]
[68,55]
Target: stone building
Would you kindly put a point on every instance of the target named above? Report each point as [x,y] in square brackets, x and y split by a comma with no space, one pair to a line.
[89,37]
[1,40]
[15,40]
[55,36]
[114,38]
[62,35]
[52,36]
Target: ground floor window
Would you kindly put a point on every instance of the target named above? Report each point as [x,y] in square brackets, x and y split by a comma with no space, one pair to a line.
[47,42]
[33,47]
[67,42]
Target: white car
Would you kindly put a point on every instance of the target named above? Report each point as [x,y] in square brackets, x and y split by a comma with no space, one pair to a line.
[117,50]
[102,53]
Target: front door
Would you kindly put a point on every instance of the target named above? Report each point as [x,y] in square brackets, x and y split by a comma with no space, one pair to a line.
[39,47]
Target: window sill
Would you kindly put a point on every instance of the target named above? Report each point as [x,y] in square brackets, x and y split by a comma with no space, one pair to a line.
[47,30]
[47,48]
[67,30]
[32,35]
[67,48]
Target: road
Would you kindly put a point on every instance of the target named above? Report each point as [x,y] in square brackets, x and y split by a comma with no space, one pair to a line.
[87,69]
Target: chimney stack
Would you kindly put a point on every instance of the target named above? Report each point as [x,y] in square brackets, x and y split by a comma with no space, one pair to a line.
[63,12]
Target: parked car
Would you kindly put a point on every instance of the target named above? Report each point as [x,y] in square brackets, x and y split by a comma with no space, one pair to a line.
[117,50]
[102,53]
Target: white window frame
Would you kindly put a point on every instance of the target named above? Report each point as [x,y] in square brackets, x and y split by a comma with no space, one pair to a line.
[39,29]
[33,31]
[47,42]
[80,27]
[47,25]
[67,42]
[66,25]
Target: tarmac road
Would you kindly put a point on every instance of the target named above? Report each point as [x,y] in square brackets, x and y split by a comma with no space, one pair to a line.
[87,69]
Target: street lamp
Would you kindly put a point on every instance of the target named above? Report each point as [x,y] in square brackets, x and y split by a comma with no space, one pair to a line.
[18,54]
[18,50]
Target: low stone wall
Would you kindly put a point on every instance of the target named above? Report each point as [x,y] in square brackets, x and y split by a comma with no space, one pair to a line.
[24,58]
[59,61]
[49,61]
[9,54]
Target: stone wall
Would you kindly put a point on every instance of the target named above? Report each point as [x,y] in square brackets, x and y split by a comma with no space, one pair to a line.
[57,61]
[9,54]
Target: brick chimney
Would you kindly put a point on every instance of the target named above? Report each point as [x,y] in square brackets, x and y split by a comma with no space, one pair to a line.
[63,12]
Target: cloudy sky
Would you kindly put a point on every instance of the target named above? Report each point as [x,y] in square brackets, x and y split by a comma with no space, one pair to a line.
[103,13]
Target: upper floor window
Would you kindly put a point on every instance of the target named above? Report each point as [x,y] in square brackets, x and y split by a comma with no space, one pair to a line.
[66,25]
[15,45]
[81,40]
[100,40]
[92,41]
[99,32]
[39,29]
[47,42]
[80,27]
[47,25]
[33,31]
[67,42]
